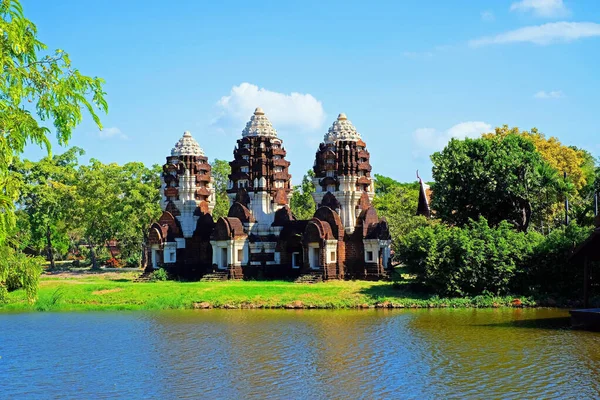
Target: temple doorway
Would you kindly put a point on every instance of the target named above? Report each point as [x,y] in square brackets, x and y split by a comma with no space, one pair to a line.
[223,258]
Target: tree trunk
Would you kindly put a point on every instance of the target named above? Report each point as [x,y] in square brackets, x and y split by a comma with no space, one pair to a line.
[49,249]
[92,254]
[144,251]
[527,216]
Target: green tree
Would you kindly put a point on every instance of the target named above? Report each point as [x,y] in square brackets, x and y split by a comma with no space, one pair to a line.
[582,201]
[397,202]
[47,199]
[116,203]
[139,207]
[498,178]
[470,260]
[560,157]
[220,174]
[385,184]
[302,203]
[35,90]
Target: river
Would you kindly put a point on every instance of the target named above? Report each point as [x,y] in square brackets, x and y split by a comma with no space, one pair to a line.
[298,354]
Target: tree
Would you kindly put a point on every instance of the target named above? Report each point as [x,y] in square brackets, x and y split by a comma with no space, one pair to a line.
[35,90]
[47,198]
[220,173]
[302,203]
[138,208]
[497,178]
[397,202]
[582,202]
[470,260]
[560,157]
[384,184]
[116,203]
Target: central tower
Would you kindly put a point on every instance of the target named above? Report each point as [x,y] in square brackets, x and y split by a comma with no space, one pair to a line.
[259,172]
[343,172]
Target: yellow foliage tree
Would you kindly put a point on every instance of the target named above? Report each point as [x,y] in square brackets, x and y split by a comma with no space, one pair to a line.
[558,156]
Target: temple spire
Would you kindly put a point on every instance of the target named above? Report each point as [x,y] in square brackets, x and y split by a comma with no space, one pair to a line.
[423,207]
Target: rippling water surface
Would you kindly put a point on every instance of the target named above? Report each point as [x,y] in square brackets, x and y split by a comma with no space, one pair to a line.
[298,354]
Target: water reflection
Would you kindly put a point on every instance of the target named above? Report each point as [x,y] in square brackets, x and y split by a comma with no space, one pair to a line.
[298,354]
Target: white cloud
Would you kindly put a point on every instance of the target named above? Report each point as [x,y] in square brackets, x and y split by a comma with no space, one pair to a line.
[415,54]
[113,132]
[542,8]
[487,16]
[295,110]
[433,140]
[554,94]
[554,32]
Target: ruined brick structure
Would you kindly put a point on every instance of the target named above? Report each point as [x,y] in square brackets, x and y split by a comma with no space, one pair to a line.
[260,237]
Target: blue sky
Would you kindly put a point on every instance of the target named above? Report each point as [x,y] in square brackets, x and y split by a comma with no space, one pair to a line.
[409,74]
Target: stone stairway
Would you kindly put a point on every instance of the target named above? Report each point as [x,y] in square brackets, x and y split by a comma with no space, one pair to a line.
[215,276]
[144,277]
[312,277]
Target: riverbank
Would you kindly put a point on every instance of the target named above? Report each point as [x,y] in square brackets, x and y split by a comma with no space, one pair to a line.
[116,291]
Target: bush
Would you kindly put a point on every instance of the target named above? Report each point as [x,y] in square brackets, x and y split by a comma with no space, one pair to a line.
[113,263]
[549,269]
[472,260]
[133,262]
[160,275]
[19,271]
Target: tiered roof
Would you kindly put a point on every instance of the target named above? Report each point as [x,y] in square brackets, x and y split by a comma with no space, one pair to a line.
[342,129]
[259,125]
[187,146]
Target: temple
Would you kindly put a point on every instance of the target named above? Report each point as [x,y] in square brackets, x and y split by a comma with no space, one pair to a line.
[260,237]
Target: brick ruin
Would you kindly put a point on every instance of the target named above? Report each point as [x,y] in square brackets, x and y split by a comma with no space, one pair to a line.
[260,237]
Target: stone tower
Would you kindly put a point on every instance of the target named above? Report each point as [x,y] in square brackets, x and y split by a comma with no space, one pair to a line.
[187,185]
[259,172]
[342,172]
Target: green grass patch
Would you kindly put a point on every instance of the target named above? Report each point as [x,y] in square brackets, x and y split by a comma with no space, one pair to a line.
[116,291]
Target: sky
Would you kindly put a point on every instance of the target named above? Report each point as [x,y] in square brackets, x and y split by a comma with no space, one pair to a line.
[409,74]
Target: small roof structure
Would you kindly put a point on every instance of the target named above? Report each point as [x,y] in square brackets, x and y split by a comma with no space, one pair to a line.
[423,207]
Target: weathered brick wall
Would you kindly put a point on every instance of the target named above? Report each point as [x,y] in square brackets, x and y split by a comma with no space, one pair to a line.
[355,257]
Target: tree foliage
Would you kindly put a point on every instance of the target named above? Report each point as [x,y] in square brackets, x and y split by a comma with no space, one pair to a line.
[302,203]
[47,198]
[220,174]
[560,157]
[470,260]
[37,89]
[499,178]
[116,203]
[397,202]
[550,268]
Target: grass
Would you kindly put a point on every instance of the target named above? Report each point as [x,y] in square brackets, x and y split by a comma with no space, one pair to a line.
[117,291]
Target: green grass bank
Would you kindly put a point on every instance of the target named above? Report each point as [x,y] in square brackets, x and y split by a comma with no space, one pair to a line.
[117,291]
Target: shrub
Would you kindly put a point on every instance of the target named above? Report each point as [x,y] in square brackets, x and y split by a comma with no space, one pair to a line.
[549,269]
[19,271]
[133,262]
[160,275]
[113,263]
[475,259]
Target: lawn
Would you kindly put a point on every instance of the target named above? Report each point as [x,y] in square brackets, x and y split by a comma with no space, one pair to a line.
[117,291]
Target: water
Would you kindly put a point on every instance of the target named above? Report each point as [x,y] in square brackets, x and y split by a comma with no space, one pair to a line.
[512,353]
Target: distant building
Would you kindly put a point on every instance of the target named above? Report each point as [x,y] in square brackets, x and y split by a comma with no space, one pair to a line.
[260,236]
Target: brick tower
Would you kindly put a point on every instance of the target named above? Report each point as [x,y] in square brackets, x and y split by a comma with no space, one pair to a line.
[342,169]
[259,172]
